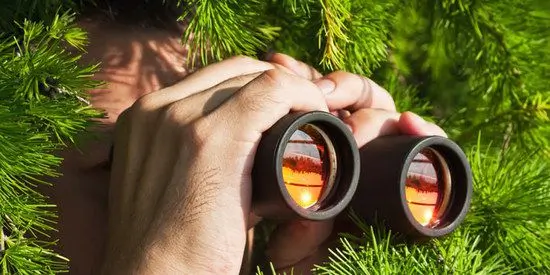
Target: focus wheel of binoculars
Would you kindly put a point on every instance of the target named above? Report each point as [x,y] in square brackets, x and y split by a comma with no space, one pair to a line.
[308,166]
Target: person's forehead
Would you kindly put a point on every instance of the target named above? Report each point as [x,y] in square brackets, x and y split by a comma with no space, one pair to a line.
[133,61]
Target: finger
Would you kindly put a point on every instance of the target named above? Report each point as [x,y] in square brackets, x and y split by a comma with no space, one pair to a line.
[240,120]
[368,124]
[412,124]
[203,103]
[203,79]
[298,67]
[295,241]
[354,92]
[268,98]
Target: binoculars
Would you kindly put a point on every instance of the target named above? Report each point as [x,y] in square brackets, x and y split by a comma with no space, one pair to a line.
[308,166]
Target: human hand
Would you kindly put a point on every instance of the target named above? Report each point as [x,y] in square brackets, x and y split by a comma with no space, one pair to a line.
[179,197]
[298,245]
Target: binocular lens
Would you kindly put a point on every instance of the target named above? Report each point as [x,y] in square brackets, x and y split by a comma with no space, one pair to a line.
[309,166]
[306,166]
[428,187]
[418,186]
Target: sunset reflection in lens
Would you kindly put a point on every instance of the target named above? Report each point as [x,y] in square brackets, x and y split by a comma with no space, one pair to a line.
[427,187]
[308,165]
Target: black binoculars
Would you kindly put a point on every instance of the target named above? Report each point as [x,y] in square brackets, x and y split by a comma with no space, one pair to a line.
[308,166]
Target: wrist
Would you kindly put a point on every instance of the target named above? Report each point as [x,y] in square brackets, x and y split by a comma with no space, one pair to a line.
[193,258]
[159,261]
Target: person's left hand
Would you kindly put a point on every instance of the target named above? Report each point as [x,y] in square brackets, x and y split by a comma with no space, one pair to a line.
[299,245]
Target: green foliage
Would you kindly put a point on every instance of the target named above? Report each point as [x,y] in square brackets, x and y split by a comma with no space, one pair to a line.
[472,66]
[225,28]
[13,12]
[511,207]
[465,52]
[409,97]
[40,60]
[374,253]
[350,27]
[42,90]
[22,256]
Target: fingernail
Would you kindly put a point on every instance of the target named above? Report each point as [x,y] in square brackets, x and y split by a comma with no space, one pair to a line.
[326,85]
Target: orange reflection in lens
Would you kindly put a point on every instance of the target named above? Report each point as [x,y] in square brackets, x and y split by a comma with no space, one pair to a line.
[306,166]
[304,188]
[422,189]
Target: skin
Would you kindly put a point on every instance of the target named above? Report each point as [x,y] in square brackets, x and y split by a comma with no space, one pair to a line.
[178,193]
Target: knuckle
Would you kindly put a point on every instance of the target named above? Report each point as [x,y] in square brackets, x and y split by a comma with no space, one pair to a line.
[173,113]
[366,95]
[123,122]
[283,68]
[145,103]
[198,132]
[267,91]
[367,83]
[274,78]
[313,73]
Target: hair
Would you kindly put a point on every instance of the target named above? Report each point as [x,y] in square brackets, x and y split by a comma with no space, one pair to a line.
[144,13]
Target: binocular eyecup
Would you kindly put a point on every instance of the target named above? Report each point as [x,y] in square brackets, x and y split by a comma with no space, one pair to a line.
[308,166]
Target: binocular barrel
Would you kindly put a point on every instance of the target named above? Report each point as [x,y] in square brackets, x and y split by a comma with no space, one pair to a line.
[418,186]
[308,166]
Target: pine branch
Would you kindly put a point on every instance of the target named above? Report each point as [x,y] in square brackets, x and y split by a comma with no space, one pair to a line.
[41,88]
[406,97]
[492,49]
[358,40]
[375,252]
[333,33]
[523,118]
[511,207]
[221,28]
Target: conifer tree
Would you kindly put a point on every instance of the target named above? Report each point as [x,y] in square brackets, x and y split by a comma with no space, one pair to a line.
[479,69]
